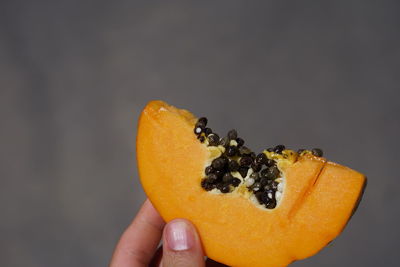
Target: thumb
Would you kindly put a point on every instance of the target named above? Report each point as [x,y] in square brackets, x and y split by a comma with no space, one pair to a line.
[182,245]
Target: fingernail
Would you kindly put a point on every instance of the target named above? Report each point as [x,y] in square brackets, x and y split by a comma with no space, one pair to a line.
[179,236]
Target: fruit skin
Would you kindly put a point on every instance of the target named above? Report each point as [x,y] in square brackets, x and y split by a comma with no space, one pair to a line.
[318,199]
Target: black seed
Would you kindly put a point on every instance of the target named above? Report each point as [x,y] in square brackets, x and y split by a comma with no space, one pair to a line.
[266,198]
[212,177]
[270,204]
[224,141]
[205,184]
[245,161]
[273,172]
[270,163]
[271,149]
[198,130]
[219,173]
[261,159]
[213,139]
[219,185]
[271,185]
[218,163]
[279,148]
[207,131]
[263,182]
[256,167]
[202,138]
[227,177]
[233,166]
[300,150]
[243,171]
[239,141]
[259,197]
[243,150]
[232,134]
[231,151]
[202,122]
[225,188]
[317,152]
[235,182]
[264,172]
[255,176]
[252,155]
[208,170]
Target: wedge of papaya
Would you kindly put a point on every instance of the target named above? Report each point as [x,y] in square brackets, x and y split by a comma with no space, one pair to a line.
[268,209]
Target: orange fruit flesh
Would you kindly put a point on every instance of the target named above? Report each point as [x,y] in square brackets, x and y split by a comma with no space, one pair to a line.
[318,198]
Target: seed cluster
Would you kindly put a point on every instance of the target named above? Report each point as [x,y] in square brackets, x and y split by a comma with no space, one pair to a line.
[260,174]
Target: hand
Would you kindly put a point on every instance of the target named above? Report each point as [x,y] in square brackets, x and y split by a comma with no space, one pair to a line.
[138,244]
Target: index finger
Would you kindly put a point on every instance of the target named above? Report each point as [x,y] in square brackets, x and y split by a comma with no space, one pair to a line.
[138,243]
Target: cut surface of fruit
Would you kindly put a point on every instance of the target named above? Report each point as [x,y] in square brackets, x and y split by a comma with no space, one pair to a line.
[303,203]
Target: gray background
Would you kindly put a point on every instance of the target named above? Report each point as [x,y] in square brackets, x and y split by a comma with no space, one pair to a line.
[75,75]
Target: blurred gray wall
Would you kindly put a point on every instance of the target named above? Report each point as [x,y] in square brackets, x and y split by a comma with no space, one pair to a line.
[74,76]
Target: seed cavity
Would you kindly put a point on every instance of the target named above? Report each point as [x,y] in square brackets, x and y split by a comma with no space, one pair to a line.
[234,167]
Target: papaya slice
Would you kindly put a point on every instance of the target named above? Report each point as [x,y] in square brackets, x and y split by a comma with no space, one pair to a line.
[245,215]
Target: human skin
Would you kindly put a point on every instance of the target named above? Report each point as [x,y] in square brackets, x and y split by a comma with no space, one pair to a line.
[138,245]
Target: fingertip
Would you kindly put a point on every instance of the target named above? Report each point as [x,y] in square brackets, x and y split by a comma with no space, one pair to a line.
[180,235]
[182,246]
